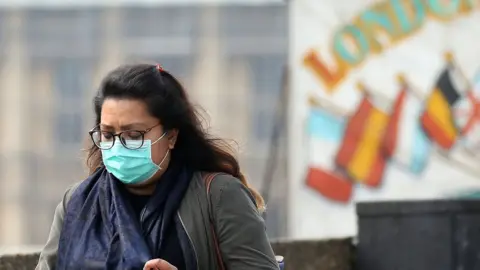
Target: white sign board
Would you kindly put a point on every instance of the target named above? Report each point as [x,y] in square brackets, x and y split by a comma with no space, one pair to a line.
[384,105]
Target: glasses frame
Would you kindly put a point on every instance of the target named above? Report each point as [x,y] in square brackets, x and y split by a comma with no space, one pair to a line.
[114,135]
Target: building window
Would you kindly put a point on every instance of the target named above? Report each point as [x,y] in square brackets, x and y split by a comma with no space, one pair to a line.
[268,20]
[71,82]
[160,22]
[179,66]
[70,79]
[267,71]
[267,88]
[262,124]
[69,128]
[56,33]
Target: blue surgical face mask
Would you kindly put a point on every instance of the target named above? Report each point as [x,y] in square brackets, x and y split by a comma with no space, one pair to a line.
[132,166]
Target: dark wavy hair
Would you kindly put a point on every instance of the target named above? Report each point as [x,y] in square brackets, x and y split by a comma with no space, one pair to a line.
[167,100]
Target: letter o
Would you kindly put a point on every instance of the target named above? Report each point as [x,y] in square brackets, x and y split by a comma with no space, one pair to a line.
[352,57]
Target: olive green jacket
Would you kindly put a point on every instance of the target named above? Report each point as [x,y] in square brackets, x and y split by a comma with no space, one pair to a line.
[238,224]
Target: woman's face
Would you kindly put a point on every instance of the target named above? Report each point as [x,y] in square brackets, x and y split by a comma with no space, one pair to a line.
[127,114]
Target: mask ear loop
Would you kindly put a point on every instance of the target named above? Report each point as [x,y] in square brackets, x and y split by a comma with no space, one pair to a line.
[161,137]
[165,157]
[166,154]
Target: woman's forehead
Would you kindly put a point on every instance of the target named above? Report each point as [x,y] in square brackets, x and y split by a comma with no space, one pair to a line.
[125,113]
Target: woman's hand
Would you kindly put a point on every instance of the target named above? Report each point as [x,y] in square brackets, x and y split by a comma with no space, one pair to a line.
[158,264]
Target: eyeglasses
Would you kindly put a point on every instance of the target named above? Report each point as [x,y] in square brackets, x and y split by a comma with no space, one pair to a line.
[130,139]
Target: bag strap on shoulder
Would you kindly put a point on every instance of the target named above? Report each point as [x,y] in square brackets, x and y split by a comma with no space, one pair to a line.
[208,178]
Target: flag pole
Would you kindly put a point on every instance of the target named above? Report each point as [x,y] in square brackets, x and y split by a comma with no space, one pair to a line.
[451,60]
[448,56]
[366,90]
[401,78]
[327,105]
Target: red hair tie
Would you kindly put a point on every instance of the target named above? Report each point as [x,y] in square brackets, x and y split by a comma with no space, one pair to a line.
[159,68]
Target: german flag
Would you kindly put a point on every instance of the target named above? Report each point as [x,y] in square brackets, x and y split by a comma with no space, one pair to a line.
[360,155]
[438,118]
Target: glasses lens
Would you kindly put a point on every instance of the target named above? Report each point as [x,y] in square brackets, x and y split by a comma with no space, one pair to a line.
[103,140]
[132,139]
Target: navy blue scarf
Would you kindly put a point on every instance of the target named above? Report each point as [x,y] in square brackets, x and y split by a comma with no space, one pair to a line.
[101,231]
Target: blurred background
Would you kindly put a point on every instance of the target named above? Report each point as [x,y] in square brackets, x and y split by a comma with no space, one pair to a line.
[416,82]
[230,56]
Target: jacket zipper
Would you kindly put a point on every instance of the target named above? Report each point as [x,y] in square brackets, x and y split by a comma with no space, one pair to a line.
[189,239]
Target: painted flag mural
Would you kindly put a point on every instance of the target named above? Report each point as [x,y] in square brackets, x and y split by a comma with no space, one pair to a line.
[466,152]
[325,131]
[410,139]
[405,140]
[438,119]
[325,125]
[467,114]
[330,183]
[360,155]
[467,117]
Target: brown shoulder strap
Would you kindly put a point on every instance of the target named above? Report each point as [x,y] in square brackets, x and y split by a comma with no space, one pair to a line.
[208,178]
[208,181]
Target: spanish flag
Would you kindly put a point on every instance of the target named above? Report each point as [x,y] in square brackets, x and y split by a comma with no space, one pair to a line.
[438,118]
[360,155]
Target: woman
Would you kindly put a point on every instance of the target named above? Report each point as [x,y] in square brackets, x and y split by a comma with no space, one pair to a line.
[145,204]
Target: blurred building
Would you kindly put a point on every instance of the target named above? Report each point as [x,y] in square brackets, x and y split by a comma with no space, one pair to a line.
[230,59]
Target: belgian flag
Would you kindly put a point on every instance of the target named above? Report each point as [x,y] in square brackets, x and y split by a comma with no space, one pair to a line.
[438,118]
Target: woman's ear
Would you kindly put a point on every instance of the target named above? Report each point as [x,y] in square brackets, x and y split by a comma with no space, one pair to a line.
[172,138]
